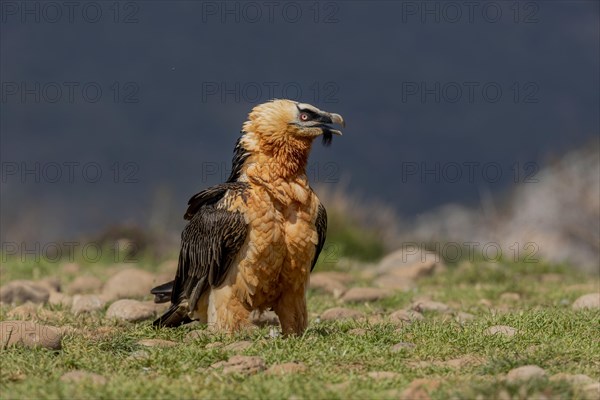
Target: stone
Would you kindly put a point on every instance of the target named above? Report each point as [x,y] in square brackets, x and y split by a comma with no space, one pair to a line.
[398,347]
[238,346]
[52,283]
[195,335]
[411,263]
[86,303]
[429,305]
[83,376]
[22,291]
[29,334]
[381,375]
[60,299]
[26,310]
[405,317]
[157,343]
[591,301]
[286,368]
[339,313]
[325,283]
[130,310]
[525,373]
[245,365]
[357,332]
[419,388]
[500,330]
[591,391]
[129,283]
[84,284]
[463,317]
[510,296]
[213,345]
[365,294]
[395,282]
[573,379]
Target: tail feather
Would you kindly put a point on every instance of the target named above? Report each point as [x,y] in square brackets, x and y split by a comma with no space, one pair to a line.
[175,316]
[162,293]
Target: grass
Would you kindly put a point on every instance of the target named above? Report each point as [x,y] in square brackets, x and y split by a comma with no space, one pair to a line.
[550,335]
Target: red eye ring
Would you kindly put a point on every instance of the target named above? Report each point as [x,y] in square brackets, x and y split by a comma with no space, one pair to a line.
[304,117]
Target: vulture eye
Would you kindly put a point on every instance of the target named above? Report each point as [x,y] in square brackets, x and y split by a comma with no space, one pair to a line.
[304,117]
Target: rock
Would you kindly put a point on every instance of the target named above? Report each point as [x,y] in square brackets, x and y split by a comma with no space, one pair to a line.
[591,300]
[130,310]
[81,376]
[213,345]
[500,330]
[86,303]
[324,282]
[241,365]
[238,346]
[510,296]
[27,310]
[361,294]
[52,283]
[411,263]
[405,317]
[22,291]
[357,332]
[381,375]
[428,305]
[29,334]
[525,373]
[128,283]
[60,299]
[156,343]
[266,318]
[398,347]
[286,368]
[339,313]
[575,380]
[195,335]
[419,388]
[395,282]
[71,268]
[591,391]
[84,284]
[463,317]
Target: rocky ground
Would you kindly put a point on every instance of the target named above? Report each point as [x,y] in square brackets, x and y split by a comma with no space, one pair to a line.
[409,328]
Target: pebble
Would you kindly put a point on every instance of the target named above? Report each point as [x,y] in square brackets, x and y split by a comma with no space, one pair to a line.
[573,379]
[156,343]
[27,310]
[525,373]
[29,334]
[362,294]
[591,391]
[500,330]
[238,346]
[405,317]
[80,376]
[339,313]
[398,347]
[86,303]
[60,299]
[395,282]
[22,291]
[412,265]
[130,310]
[429,305]
[419,388]
[324,282]
[286,368]
[241,365]
[129,283]
[591,300]
[84,284]
[463,317]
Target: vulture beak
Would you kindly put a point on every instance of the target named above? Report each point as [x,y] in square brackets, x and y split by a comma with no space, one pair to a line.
[332,118]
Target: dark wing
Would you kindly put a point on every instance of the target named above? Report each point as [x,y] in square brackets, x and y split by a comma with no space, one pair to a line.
[321,224]
[209,244]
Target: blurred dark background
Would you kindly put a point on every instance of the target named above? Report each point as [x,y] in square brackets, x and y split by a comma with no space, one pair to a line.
[117,112]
